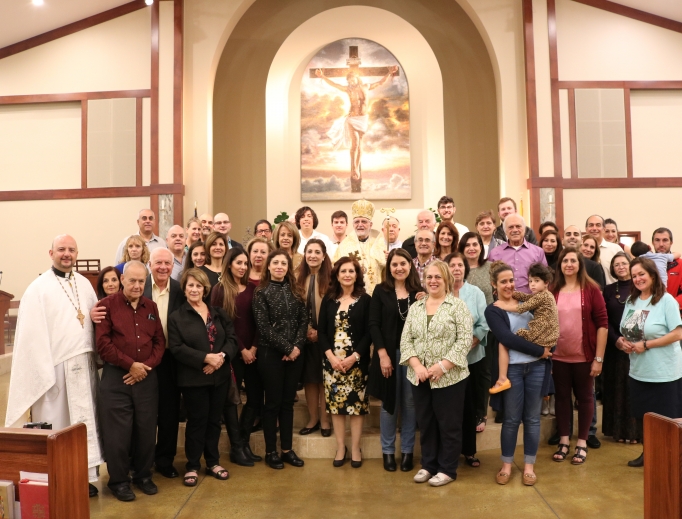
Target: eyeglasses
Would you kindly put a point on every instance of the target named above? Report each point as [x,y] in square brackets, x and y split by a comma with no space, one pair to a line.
[423,240]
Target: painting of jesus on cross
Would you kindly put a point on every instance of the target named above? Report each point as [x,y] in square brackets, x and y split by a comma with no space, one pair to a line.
[355,124]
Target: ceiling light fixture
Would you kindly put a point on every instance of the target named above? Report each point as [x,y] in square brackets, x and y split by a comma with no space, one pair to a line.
[148,2]
[38,2]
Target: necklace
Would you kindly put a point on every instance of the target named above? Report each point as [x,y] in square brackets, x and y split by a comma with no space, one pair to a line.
[618,293]
[402,315]
[80,315]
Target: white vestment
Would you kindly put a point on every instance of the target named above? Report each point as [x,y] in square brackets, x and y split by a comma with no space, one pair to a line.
[340,132]
[53,367]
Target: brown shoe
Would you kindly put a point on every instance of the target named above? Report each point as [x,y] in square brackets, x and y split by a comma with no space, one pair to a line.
[502,478]
[529,479]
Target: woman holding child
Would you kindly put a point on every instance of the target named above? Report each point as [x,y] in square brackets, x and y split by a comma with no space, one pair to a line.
[580,350]
[528,372]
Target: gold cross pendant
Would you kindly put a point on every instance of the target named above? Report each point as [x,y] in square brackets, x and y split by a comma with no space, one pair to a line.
[81,318]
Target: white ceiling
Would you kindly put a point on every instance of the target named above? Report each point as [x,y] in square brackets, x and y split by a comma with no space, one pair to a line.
[20,19]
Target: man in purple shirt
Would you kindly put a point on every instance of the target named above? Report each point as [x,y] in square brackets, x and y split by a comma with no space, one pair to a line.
[517,252]
[131,343]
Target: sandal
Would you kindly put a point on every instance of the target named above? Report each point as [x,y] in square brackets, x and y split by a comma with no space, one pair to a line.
[581,458]
[560,453]
[221,474]
[480,426]
[189,480]
[472,461]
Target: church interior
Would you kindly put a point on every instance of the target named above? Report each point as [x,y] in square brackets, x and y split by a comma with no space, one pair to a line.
[570,107]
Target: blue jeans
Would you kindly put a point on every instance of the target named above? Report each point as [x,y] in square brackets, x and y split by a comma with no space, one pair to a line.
[523,401]
[404,403]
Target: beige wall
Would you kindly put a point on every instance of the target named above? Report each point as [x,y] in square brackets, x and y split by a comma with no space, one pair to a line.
[98,225]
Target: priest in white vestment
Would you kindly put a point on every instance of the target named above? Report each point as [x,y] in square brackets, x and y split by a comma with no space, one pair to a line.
[54,375]
[369,251]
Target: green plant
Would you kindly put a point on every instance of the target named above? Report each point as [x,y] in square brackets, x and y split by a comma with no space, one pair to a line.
[435,213]
[281,217]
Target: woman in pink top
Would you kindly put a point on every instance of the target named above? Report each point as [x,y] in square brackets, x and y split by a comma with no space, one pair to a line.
[580,350]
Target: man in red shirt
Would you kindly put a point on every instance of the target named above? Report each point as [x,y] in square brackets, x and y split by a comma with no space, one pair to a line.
[662,240]
[131,343]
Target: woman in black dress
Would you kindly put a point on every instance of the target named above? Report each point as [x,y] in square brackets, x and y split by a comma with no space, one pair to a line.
[343,334]
[388,382]
[215,248]
[617,421]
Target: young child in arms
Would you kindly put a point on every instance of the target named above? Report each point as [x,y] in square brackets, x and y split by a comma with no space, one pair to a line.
[543,329]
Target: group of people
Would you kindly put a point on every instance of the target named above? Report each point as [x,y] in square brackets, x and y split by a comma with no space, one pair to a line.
[436,327]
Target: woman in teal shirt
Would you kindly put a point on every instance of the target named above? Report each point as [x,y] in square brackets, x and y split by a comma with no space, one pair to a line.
[652,329]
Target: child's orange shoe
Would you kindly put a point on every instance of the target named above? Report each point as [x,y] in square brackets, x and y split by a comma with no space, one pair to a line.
[499,388]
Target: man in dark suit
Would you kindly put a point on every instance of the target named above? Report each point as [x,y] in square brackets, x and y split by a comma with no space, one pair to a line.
[168,296]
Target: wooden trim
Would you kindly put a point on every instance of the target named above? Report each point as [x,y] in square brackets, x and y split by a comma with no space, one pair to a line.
[572,131]
[154,206]
[635,14]
[531,97]
[178,73]
[559,207]
[138,141]
[84,144]
[633,85]
[72,96]
[604,183]
[155,100]
[71,28]
[91,192]
[554,78]
[628,131]
[535,208]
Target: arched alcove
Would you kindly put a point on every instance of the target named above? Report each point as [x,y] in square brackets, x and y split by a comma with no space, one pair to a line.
[469,113]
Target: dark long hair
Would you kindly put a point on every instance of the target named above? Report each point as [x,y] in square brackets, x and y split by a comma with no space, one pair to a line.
[324,275]
[554,256]
[455,237]
[335,289]
[288,278]
[229,283]
[583,279]
[463,243]
[657,287]
[411,282]
[595,257]
[100,281]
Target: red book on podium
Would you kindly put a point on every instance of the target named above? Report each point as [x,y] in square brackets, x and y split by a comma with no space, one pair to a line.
[34,496]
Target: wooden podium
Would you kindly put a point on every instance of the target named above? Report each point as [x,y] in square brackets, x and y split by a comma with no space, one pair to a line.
[5,299]
[662,467]
[62,455]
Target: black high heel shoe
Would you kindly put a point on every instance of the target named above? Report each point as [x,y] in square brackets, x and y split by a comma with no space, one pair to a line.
[339,463]
[309,430]
[356,464]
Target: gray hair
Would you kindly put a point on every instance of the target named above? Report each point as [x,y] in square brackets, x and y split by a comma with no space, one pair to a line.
[156,252]
[133,264]
[432,233]
[517,215]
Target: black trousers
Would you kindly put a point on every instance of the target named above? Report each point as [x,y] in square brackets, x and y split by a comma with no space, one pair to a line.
[128,416]
[439,416]
[169,411]
[280,379]
[202,434]
[248,373]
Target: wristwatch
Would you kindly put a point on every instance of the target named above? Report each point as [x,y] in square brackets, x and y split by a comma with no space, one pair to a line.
[599,359]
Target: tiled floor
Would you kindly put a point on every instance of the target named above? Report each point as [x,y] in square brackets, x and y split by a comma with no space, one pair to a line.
[605,488]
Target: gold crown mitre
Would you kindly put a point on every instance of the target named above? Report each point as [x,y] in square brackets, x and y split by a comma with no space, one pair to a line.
[362,209]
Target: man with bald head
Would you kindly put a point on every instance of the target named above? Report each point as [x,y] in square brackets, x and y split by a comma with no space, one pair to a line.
[573,238]
[175,240]
[145,223]
[222,224]
[166,292]
[517,252]
[206,225]
[54,375]
[426,220]
[131,343]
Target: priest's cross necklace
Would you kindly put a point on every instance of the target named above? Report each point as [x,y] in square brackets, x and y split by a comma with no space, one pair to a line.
[80,315]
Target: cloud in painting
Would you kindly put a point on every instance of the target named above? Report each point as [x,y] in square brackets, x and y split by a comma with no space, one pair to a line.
[322,185]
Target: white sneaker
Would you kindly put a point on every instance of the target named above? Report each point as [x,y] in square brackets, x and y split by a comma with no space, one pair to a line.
[545,407]
[440,479]
[422,476]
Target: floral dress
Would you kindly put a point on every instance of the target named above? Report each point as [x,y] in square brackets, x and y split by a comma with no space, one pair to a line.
[345,393]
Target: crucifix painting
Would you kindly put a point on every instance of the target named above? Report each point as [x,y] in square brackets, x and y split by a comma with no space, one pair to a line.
[355,124]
